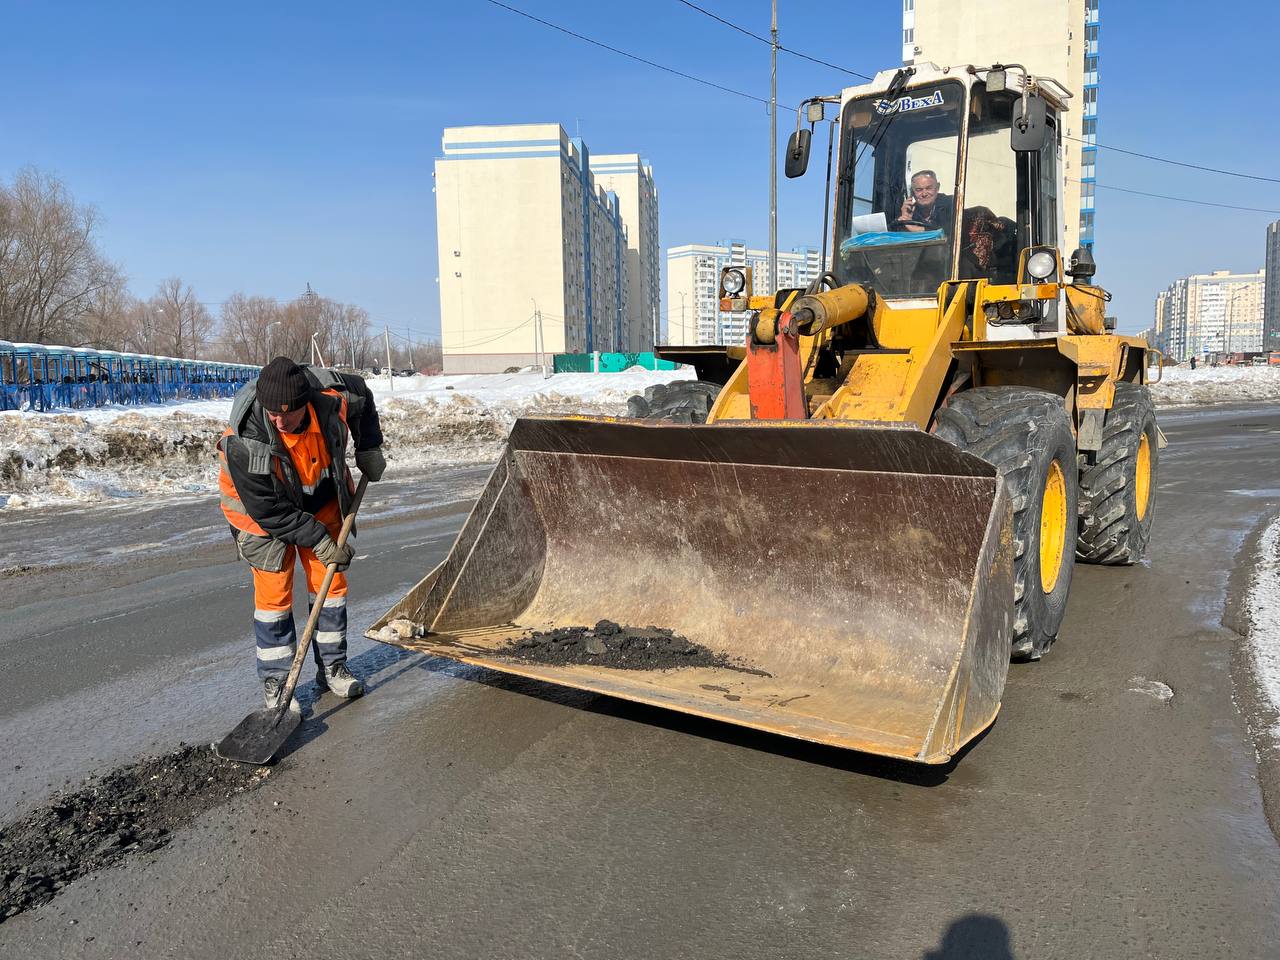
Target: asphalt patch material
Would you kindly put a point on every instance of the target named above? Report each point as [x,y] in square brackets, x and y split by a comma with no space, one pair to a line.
[624,648]
[131,810]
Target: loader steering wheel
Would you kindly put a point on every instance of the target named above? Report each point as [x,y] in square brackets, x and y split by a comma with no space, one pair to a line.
[899,224]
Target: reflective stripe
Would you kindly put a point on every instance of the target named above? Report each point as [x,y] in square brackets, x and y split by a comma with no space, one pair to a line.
[271,616]
[328,601]
[275,653]
[233,504]
[330,636]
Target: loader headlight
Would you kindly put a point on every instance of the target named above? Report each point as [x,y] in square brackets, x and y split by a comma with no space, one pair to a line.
[1041,264]
[733,282]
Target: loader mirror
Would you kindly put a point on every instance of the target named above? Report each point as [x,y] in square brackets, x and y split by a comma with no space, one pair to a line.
[1029,130]
[798,153]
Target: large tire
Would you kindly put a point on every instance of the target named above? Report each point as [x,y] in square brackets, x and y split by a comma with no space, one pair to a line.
[681,401]
[1118,490]
[1027,435]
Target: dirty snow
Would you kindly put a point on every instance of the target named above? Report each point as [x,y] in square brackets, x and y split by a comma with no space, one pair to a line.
[119,452]
[1181,385]
[1264,626]
[113,453]
[1151,688]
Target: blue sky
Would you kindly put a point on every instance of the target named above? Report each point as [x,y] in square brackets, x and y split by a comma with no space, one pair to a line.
[261,147]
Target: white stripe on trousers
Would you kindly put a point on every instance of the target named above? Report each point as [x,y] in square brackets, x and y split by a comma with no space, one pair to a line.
[276,653]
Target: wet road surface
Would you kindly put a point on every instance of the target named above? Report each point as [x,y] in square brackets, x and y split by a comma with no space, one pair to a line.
[460,813]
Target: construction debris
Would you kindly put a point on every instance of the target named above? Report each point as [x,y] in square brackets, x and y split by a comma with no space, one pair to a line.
[626,648]
[133,809]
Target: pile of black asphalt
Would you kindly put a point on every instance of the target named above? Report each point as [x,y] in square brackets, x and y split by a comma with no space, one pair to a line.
[625,648]
[131,810]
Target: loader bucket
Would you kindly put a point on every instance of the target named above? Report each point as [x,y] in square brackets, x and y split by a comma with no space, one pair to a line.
[859,575]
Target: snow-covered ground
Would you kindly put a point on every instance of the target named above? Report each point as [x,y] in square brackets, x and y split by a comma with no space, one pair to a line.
[1264,630]
[1182,385]
[121,452]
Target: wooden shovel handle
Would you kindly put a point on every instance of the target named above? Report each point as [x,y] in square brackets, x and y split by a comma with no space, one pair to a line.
[304,643]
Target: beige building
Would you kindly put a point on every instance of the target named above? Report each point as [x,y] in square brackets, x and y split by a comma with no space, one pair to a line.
[534,251]
[1210,314]
[1053,38]
[693,282]
[631,179]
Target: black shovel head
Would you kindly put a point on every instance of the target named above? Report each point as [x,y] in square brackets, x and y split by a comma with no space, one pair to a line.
[258,736]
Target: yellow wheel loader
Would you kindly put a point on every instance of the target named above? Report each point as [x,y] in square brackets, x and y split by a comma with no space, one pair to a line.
[878,498]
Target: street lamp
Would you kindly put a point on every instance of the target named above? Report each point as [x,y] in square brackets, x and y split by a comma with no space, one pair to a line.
[684,333]
[316,347]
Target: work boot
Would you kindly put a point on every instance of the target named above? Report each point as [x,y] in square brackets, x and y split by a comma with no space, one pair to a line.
[339,679]
[272,687]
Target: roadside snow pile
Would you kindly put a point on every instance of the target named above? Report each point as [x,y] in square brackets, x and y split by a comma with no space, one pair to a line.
[1264,630]
[120,452]
[1181,385]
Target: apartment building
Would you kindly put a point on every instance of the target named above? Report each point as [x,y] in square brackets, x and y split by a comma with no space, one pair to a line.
[535,253]
[693,280]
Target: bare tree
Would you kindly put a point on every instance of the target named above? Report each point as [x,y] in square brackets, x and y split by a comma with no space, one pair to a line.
[182,323]
[251,328]
[50,267]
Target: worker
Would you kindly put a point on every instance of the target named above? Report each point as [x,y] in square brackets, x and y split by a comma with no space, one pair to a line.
[285,490]
[925,208]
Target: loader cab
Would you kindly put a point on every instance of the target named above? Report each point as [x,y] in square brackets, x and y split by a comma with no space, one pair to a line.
[930,188]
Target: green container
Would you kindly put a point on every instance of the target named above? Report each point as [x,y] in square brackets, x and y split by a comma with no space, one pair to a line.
[608,362]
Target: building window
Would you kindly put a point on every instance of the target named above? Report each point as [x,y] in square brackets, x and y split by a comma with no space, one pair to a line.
[909,5]
[909,35]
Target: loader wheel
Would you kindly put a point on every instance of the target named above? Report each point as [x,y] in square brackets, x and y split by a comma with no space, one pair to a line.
[1027,435]
[681,401]
[1117,491]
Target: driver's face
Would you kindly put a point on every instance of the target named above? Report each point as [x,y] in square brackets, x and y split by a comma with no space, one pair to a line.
[925,190]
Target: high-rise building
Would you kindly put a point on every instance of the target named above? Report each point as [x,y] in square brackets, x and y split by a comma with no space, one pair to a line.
[693,281]
[631,179]
[1052,38]
[1271,298]
[1210,314]
[534,252]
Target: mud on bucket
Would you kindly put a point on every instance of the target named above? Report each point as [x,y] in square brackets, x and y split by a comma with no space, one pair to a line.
[860,574]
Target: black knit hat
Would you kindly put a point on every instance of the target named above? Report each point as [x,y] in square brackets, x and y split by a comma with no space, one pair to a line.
[282,386]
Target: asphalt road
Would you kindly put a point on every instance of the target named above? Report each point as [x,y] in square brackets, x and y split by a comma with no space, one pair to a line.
[458,813]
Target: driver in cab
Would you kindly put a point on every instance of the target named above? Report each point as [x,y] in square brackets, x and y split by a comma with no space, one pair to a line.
[925,208]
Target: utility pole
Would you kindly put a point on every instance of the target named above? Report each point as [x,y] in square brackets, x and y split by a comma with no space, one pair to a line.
[386,338]
[537,337]
[409,337]
[773,153]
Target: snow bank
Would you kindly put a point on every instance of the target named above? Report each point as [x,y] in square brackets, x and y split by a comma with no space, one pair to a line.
[1181,385]
[1264,629]
[119,452]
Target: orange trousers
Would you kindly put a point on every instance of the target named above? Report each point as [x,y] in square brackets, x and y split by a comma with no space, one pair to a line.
[274,632]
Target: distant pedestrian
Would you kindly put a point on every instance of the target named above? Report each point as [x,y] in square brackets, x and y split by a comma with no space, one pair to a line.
[1193,362]
[285,491]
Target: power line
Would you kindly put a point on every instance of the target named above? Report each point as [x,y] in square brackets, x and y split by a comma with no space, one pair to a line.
[1131,153]
[629,56]
[1165,196]
[480,343]
[1176,163]
[756,36]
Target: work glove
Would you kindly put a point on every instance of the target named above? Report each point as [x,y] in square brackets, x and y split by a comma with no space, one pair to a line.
[327,551]
[371,463]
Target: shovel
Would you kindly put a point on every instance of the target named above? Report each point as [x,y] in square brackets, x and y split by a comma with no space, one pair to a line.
[258,736]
